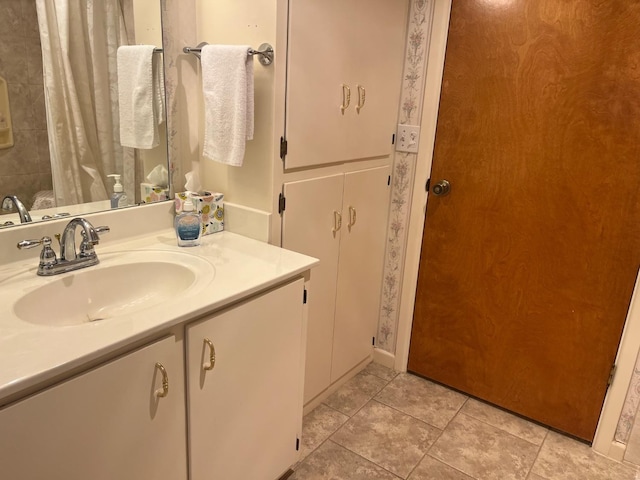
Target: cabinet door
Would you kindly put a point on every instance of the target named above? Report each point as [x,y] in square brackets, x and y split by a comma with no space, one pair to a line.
[307,227]
[343,42]
[317,64]
[365,208]
[377,35]
[102,425]
[245,412]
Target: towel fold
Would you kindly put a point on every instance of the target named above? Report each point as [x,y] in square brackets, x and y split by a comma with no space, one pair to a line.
[140,96]
[227,85]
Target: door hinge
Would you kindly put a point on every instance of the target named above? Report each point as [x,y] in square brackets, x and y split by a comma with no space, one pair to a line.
[283,148]
[282,203]
[373,341]
[304,296]
[612,375]
[393,139]
[428,185]
[389,180]
[297,444]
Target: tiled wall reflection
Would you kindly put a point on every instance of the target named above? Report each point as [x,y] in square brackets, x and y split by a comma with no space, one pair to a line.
[24,168]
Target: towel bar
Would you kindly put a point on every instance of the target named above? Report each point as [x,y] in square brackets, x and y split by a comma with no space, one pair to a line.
[265,52]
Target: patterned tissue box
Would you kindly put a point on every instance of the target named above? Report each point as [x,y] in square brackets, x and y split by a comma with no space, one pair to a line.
[209,205]
[150,193]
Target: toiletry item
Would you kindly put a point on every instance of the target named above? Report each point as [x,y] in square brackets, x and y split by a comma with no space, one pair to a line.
[209,205]
[151,193]
[188,225]
[118,197]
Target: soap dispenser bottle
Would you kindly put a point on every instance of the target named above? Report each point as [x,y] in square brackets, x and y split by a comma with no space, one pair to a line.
[118,197]
[188,225]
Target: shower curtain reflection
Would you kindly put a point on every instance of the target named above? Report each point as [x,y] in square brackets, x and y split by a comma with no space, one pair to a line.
[79,44]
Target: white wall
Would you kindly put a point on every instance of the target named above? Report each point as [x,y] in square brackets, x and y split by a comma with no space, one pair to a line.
[244,22]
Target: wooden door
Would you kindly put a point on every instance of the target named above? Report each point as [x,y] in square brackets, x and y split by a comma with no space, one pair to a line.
[308,225]
[105,424]
[365,206]
[528,265]
[245,412]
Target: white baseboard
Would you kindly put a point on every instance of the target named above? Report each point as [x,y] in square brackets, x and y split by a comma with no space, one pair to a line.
[617,451]
[384,358]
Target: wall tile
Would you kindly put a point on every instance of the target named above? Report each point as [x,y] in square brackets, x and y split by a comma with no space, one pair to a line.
[11,20]
[12,65]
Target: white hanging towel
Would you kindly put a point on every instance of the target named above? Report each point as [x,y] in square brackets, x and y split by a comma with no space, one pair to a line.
[227,85]
[140,96]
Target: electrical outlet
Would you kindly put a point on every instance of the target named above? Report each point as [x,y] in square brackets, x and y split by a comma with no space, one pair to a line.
[408,138]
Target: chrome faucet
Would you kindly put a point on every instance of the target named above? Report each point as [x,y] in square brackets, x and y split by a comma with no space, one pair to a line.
[22,211]
[69,259]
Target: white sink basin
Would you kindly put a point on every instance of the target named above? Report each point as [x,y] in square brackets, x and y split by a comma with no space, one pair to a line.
[123,283]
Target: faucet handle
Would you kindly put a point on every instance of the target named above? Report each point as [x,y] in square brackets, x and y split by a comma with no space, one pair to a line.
[47,255]
[24,244]
[86,247]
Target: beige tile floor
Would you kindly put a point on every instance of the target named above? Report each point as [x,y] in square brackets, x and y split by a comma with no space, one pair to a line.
[387,426]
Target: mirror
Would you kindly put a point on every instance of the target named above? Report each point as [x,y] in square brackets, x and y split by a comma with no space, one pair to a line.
[64,170]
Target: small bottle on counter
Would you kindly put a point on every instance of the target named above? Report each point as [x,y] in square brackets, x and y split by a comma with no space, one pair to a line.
[188,225]
[118,197]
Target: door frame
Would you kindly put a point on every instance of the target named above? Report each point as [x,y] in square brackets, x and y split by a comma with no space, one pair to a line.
[604,441]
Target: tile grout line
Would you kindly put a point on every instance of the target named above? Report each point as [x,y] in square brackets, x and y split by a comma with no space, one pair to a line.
[506,431]
[442,433]
[349,417]
[546,435]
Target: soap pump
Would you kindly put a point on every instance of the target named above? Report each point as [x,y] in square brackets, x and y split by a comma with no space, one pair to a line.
[188,225]
[118,197]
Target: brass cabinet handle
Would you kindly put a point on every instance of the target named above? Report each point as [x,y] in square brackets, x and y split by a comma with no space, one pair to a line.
[212,355]
[346,98]
[164,391]
[361,98]
[352,217]
[337,221]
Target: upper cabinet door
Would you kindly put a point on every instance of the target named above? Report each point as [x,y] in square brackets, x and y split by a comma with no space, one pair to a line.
[343,54]
[377,36]
[317,68]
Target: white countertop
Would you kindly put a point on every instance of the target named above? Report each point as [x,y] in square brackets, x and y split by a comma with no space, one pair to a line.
[31,354]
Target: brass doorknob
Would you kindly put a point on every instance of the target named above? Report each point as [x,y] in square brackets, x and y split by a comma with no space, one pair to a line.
[441,188]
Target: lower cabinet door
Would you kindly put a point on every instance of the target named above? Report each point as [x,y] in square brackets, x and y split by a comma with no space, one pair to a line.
[364,218]
[244,370]
[116,421]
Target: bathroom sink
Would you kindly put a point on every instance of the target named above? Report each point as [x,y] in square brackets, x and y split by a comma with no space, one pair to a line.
[122,284]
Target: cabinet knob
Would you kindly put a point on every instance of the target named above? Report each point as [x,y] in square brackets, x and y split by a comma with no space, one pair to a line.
[212,355]
[164,391]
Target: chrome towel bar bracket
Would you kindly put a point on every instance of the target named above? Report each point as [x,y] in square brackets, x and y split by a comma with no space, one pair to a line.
[265,52]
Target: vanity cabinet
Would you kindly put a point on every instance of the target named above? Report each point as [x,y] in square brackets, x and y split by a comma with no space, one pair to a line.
[341,220]
[344,76]
[244,381]
[111,422]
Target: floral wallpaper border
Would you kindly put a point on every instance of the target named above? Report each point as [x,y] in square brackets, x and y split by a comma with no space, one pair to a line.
[418,37]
